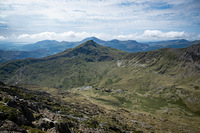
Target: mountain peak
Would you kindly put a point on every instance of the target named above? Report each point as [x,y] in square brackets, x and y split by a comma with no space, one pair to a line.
[90,51]
[89,43]
[97,40]
[46,41]
[92,38]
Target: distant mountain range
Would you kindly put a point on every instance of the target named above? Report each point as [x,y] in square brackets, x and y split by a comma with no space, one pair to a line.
[129,45]
[51,47]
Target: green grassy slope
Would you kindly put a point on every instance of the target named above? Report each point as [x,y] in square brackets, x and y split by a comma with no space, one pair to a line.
[85,64]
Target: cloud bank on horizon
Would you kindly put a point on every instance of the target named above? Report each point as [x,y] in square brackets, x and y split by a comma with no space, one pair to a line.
[72,20]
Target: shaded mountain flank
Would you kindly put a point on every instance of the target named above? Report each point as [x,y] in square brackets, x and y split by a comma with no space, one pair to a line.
[161,84]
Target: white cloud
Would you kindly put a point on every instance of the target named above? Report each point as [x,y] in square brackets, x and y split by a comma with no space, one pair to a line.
[44,35]
[98,15]
[3,38]
[152,34]
[159,34]
[155,35]
[198,36]
[2,22]
[65,36]
[147,35]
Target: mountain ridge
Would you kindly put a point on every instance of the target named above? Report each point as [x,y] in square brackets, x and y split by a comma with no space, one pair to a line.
[53,47]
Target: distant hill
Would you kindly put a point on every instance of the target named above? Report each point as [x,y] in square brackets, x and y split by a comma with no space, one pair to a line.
[9,46]
[181,43]
[52,46]
[37,50]
[55,47]
[14,55]
[129,45]
[168,42]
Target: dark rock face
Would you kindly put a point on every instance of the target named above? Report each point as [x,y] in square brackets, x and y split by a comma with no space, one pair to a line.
[13,103]
[33,107]
[2,115]
[62,128]
[191,53]
[10,127]
[115,129]
[45,124]
[21,120]
[27,113]
[105,58]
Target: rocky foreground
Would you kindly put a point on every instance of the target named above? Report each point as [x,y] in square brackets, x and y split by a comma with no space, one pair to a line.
[23,110]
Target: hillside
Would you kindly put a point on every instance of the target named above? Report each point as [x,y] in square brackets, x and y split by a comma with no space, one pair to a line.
[164,83]
[14,55]
[84,64]
[181,43]
[52,46]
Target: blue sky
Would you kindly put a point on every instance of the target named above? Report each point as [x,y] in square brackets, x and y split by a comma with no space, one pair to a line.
[73,20]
